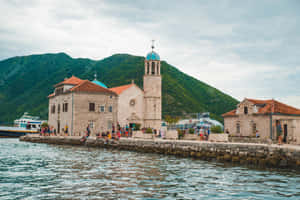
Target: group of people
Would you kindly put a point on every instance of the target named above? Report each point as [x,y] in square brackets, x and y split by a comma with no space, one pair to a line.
[47,131]
[115,134]
[203,132]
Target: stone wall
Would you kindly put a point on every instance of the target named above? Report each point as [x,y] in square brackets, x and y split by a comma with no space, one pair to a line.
[262,155]
[218,137]
[141,135]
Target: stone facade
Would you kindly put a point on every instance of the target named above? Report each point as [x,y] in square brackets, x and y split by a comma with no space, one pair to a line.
[131,106]
[254,115]
[99,120]
[82,105]
[152,94]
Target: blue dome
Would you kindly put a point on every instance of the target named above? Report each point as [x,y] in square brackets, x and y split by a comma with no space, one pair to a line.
[99,83]
[152,56]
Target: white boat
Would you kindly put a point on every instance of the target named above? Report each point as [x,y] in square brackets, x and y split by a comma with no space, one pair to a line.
[25,125]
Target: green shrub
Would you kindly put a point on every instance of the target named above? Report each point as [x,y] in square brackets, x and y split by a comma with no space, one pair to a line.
[180,133]
[44,124]
[191,131]
[137,127]
[148,130]
[216,129]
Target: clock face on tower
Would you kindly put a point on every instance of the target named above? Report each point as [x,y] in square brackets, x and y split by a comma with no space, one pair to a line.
[132,102]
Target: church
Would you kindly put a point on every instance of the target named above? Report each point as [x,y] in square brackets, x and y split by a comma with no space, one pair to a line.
[77,103]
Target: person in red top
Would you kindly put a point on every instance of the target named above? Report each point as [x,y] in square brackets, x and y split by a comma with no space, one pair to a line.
[118,135]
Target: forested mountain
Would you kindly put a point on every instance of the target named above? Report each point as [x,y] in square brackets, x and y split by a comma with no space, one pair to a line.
[26,81]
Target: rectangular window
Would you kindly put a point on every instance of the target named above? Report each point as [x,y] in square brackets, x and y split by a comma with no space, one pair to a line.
[102,109]
[245,110]
[254,128]
[58,108]
[110,108]
[238,128]
[92,107]
[65,107]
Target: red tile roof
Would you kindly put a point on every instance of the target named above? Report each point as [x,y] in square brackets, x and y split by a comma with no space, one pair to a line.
[70,81]
[269,106]
[51,95]
[88,86]
[230,113]
[118,90]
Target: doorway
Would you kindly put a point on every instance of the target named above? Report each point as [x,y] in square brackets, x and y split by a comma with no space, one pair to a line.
[285,132]
[58,126]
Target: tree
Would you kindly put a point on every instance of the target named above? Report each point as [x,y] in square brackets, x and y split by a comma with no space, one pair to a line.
[216,129]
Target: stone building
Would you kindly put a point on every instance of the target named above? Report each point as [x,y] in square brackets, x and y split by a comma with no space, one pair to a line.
[263,115]
[76,103]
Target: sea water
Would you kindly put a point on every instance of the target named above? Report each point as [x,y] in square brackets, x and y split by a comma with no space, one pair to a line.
[43,171]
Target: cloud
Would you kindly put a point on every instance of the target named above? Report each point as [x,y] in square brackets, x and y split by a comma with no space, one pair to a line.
[244,48]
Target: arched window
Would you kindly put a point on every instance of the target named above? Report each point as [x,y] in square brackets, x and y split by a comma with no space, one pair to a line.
[153,68]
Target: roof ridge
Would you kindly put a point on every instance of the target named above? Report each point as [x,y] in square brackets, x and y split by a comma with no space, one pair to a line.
[122,85]
[76,86]
[283,104]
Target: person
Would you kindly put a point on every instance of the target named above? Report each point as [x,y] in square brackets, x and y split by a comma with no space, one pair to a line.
[113,129]
[118,126]
[162,134]
[88,130]
[118,135]
[42,131]
[279,132]
[257,134]
[51,130]
[66,130]
[85,137]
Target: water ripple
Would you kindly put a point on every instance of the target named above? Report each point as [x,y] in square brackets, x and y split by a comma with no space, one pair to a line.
[41,171]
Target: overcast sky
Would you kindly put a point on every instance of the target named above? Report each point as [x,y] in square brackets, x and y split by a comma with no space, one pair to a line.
[244,48]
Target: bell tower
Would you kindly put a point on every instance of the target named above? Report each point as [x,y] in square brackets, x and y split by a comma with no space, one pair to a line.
[152,90]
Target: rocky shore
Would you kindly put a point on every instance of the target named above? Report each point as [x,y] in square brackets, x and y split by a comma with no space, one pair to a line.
[261,155]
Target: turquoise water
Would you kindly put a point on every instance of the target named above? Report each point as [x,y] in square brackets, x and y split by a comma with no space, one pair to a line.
[42,171]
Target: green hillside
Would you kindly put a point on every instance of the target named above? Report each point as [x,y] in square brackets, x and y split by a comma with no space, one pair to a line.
[26,81]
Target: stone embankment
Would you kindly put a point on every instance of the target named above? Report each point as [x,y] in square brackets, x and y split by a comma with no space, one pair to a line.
[262,155]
